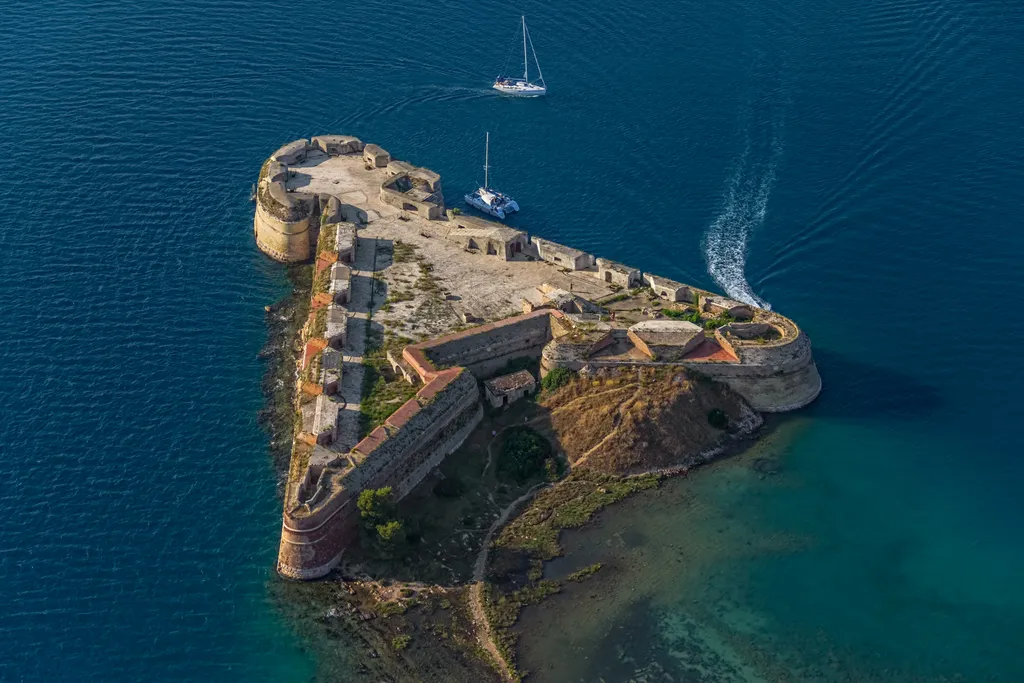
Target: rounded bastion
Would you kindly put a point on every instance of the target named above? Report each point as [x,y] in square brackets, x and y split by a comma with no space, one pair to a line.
[284,218]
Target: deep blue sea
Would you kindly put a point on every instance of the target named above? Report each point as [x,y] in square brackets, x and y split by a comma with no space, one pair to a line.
[857,165]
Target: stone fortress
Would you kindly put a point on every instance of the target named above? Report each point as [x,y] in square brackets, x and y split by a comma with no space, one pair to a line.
[333,199]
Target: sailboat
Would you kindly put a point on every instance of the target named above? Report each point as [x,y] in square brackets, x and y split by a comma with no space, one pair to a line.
[487,200]
[522,87]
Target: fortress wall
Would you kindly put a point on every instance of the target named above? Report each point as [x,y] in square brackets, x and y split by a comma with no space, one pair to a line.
[312,546]
[282,240]
[777,393]
[773,378]
[456,422]
[487,348]
[398,454]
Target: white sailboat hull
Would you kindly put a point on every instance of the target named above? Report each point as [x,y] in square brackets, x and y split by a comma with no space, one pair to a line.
[521,89]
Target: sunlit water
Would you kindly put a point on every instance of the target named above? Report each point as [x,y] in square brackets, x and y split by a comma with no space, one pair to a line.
[855,165]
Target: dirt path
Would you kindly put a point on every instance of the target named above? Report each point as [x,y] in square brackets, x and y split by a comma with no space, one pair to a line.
[624,406]
[476,591]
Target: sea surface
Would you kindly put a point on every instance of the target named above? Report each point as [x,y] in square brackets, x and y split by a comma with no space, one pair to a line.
[857,165]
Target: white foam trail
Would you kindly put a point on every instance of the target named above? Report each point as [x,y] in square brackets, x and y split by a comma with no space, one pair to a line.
[743,211]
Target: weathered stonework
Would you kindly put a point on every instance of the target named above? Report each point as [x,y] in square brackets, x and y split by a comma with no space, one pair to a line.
[618,274]
[565,257]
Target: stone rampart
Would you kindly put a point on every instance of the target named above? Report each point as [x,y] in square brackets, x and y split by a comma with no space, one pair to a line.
[283,220]
[283,240]
[399,453]
[486,349]
[774,377]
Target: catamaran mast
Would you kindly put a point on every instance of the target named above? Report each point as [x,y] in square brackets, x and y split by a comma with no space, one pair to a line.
[487,156]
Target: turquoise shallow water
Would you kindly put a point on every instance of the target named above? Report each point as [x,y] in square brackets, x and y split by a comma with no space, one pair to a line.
[856,165]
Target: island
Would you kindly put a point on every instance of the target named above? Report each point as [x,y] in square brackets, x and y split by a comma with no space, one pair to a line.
[551,379]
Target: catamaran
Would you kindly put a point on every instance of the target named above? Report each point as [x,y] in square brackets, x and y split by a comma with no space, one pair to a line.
[487,200]
[522,87]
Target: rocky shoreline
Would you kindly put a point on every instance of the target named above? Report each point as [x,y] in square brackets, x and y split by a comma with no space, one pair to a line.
[284,319]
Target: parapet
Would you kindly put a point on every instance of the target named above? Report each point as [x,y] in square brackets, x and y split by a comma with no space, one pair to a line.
[292,153]
[337,145]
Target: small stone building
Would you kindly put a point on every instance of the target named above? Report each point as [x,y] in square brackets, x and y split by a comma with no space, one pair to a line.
[330,370]
[345,242]
[414,191]
[375,156]
[486,237]
[337,145]
[507,389]
[563,256]
[337,326]
[325,420]
[668,289]
[618,274]
[720,304]
[341,283]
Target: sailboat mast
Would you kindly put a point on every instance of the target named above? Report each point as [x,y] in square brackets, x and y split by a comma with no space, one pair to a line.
[526,62]
[487,157]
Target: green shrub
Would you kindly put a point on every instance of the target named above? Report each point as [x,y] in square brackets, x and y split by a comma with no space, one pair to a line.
[689,316]
[400,642]
[718,419]
[523,453]
[557,378]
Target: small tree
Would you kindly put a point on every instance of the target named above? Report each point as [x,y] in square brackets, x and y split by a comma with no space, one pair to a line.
[380,527]
[376,506]
[523,454]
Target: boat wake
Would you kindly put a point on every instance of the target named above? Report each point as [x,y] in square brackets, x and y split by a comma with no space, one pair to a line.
[744,206]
